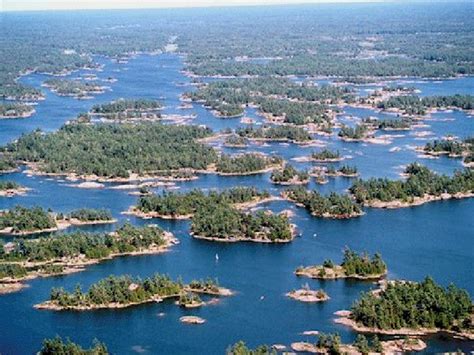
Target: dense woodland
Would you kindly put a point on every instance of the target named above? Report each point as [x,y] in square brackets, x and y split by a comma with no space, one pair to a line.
[115,151]
[326,155]
[125,109]
[420,181]
[277,133]
[414,105]
[227,223]
[415,305]
[93,246]
[332,206]
[452,148]
[248,163]
[8,185]
[181,204]
[360,264]
[89,215]
[288,175]
[240,348]
[23,219]
[58,346]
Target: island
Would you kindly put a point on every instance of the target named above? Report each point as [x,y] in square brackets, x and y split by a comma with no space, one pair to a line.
[452,148]
[245,164]
[291,134]
[23,260]
[129,110]
[289,176]
[235,141]
[334,205]
[25,221]
[326,156]
[412,308]
[172,205]
[354,266]
[59,346]
[11,188]
[192,320]
[358,133]
[224,223]
[421,186]
[344,171]
[119,292]
[305,294]
[73,88]
[16,110]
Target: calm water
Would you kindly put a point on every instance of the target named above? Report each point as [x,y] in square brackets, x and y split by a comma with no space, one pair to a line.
[434,239]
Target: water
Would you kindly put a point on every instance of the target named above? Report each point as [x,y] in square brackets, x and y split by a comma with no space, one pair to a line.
[434,239]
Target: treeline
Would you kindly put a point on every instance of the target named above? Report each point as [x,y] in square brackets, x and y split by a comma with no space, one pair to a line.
[12,110]
[452,148]
[6,164]
[235,141]
[330,206]
[22,219]
[181,204]
[360,264]
[240,348]
[357,132]
[326,155]
[415,105]
[115,151]
[345,170]
[58,346]
[89,215]
[227,223]
[420,182]
[248,163]
[277,133]
[129,109]
[75,88]
[388,125]
[415,305]
[8,185]
[288,175]
[126,239]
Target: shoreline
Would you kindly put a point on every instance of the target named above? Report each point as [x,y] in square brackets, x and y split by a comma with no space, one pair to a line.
[334,273]
[417,201]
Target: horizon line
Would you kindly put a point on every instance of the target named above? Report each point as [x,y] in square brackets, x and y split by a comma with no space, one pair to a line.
[212,4]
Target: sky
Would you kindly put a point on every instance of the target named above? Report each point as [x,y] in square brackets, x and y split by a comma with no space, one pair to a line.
[25,5]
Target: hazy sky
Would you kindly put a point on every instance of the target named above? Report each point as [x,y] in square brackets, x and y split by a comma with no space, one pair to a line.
[14,5]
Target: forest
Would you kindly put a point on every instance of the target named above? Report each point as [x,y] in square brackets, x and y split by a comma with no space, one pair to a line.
[126,239]
[124,109]
[115,151]
[13,110]
[182,204]
[331,206]
[356,133]
[414,105]
[8,185]
[89,215]
[326,155]
[420,182]
[58,346]
[451,147]
[248,163]
[223,222]
[276,133]
[415,305]
[75,88]
[289,175]
[23,219]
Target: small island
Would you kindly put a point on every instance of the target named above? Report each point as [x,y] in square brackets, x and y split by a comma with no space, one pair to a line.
[26,221]
[305,294]
[421,186]
[235,141]
[192,320]
[344,171]
[59,346]
[332,206]
[291,134]
[74,88]
[411,308]
[16,110]
[172,205]
[121,292]
[223,223]
[451,148]
[358,133]
[326,156]
[353,266]
[245,164]
[129,110]
[23,260]
[11,188]
[289,176]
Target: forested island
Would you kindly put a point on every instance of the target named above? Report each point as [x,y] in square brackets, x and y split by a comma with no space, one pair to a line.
[344,170]
[353,266]
[403,124]
[73,88]
[421,186]
[125,291]
[412,308]
[289,176]
[98,151]
[15,110]
[57,345]
[67,253]
[326,156]
[357,133]
[25,221]
[246,164]
[235,141]
[275,133]
[172,205]
[224,223]
[453,148]
[11,188]
[129,110]
[415,105]
[331,206]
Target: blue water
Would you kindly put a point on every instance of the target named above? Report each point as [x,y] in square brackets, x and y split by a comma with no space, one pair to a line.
[434,239]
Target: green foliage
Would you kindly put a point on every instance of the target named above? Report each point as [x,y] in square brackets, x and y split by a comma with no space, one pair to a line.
[13,271]
[225,222]
[449,146]
[414,105]
[94,246]
[14,110]
[128,109]
[333,205]
[176,204]
[330,342]
[325,155]
[248,163]
[357,133]
[362,265]
[420,181]
[362,344]
[235,140]
[277,133]
[90,215]
[8,185]
[23,219]
[240,348]
[288,174]
[57,346]
[116,150]
[415,305]
[76,88]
